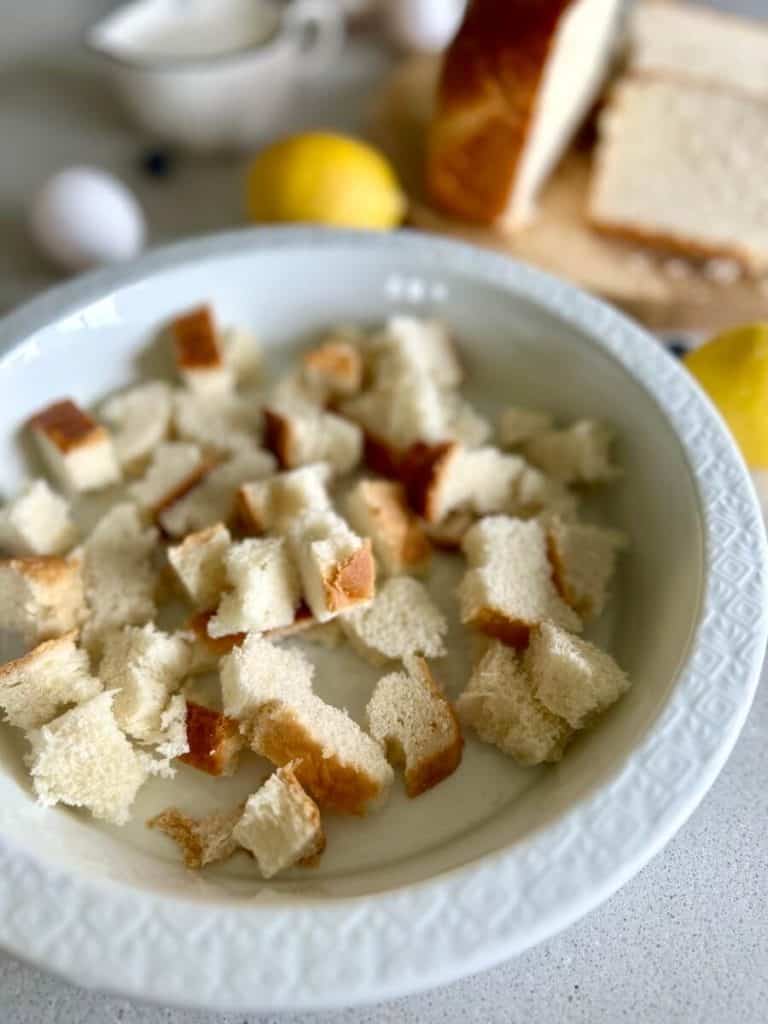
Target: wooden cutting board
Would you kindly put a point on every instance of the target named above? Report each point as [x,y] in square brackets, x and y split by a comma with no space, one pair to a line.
[663,292]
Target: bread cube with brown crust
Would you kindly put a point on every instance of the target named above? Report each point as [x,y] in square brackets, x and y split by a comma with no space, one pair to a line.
[200,358]
[41,597]
[379,509]
[76,449]
[214,739]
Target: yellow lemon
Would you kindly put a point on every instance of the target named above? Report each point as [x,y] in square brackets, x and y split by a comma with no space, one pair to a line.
[733,369]
[324,179]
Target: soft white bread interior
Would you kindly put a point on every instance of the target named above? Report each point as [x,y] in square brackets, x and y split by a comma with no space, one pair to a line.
[410,717]
[407,346]
[37,522]
[49,679]
[516,84]
[334,368]
[579,454]
[145,667]
[301,435]
[338,764]
[170,740]
[242,355]
[263,589]
[120,577]
[41,597]
[402,620]
[139,419]
[202,841]
[583,561]
[221,424]
[280,824]
[379,509]
[695,43]
[199,565]
[571,677]
[214,497]
[278,502]
[77,450]
[667,170]
[508,587]
[200,357]
[83,759]
[500,704]
[175,468]
[518,425]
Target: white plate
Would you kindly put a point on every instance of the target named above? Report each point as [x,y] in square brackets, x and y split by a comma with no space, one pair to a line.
[496,858]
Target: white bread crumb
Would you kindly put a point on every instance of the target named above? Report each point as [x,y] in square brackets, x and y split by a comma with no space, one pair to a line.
[379,509]
[40,685]
[571,677]
[41,597]
[500,705]
[280,824]
[264,590]
[140,419]
[77,450]
[82,759]
[401,621]
[410,717]
[508,588]
[198,562]
[37,522]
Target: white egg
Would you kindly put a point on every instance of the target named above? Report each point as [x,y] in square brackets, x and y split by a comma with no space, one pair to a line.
[426,26]
[83,217]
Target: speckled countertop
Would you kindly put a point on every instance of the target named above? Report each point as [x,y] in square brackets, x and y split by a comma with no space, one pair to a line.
[687,939]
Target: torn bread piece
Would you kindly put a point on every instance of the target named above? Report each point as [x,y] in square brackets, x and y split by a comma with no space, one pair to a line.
[280,501]
[518,425]
[83,759]
[214,497]
[202,841]
[500,704]
[410,717]
[200,358]
[448,535]
[579,454]
[379,509]
[76,449]
[144,667]
[402,620]
[175,468]
[242,354]
[37,522]
[302,435]
[214,741]
[280,824]
[337,568]
[40,685]
[334,368]
[269,689]
[571,677]
[221,424]
[583,559]
[41,597]
[120,579]
[410,346]
[465,424]
[199,565]
[170,741]
[263,588]
[508,588]
[139,418]
[207,651]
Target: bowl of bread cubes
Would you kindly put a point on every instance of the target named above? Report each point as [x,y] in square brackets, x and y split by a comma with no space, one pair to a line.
[371,607]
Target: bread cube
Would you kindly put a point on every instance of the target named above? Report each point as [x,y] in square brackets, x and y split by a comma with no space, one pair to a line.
[221,424]
[199,353]
[580,454]
[146,667]
[242,354]
[571,677]
[76,449]
[40,685]
[583,561]
[410,717]
[280,824]
[139,418]
[214,497]
[37,522]
[379,509]
[257,672]
[408,346]
[302,435]
[500,704]
[41,597]
[120,578]
[202,841]
[213,739]
[518,425]
[199,564]
[508,588]
[174,470]
[264,588]
[82,759]
[402,620]
[334,368]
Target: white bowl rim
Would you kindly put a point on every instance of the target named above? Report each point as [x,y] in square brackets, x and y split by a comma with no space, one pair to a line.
[379,946]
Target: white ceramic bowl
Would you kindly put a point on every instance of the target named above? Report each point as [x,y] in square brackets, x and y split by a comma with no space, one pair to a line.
[496,858]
